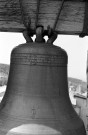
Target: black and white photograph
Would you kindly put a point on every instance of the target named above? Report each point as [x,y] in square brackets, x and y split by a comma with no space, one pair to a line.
[43,67]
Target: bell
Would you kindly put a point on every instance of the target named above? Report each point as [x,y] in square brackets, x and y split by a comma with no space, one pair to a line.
[36,101]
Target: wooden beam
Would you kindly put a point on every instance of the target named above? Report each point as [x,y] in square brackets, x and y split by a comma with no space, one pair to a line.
[70,21]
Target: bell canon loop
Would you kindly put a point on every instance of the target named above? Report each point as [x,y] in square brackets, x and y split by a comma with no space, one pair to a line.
[36,101]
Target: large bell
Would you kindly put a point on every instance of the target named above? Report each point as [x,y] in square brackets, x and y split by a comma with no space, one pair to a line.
[36,101]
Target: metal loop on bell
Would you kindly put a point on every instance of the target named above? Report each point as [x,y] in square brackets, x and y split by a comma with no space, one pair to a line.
[27,36]
[28,33]
[40,34]
[52,35]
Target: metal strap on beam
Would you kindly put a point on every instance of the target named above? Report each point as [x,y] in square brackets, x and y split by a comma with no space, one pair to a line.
[58,15]
[37,12]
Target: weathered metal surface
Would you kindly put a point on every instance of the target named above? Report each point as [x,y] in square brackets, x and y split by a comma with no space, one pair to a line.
[36,99]
[70,21]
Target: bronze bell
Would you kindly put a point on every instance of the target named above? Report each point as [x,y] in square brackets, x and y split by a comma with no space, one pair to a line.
[36,101]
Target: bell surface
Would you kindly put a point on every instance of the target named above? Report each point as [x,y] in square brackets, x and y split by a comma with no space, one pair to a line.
[36,101]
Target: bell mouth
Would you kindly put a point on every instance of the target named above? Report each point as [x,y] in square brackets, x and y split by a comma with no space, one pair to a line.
[33,129]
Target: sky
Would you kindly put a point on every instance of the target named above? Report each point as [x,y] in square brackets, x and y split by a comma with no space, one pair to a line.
[75,47]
